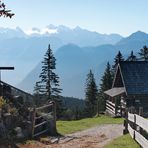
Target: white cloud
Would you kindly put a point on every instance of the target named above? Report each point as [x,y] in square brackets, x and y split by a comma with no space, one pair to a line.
[41,31]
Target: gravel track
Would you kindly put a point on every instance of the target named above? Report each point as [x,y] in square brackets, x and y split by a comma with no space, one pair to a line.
[95,137]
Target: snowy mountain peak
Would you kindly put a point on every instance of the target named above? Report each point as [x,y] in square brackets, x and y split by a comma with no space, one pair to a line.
[50,26]
[43,31]
[7,33]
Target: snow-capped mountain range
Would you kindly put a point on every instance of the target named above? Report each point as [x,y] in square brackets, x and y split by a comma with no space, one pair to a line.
[77,50]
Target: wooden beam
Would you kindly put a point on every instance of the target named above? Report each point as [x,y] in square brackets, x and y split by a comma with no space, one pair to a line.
[141,140]
[109,102]
[131,131]
[37,134]
[110,110]
[130,117]
[33,120]
[142,122]
[16,88]
[45,106]
[111,107]
[44,122]
[6,68]
[43,116]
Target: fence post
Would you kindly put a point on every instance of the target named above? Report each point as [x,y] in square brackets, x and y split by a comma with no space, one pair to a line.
[54,112]
[125,131]
[33,121]
[133,124]
[140,114]
[53,130]
[140,111]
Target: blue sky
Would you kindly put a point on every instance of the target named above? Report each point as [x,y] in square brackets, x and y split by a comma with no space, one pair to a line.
[104,16]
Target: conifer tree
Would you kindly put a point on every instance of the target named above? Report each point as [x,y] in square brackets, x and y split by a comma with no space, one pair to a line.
[4,12]
[144,53]
[49,83]
[118,58]
[90,95]
[132,57]
[106,83]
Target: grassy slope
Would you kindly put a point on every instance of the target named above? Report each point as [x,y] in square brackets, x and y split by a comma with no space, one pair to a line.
[67,127]
[124,141]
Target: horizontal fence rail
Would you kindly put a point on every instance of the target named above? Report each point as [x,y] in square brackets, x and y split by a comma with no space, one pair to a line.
[112,108]
[137,124]
[142,122]
[131,131]
[42,116]
[141,140]
[131,117]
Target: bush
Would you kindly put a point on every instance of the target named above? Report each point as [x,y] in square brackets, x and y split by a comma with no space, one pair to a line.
[2,102]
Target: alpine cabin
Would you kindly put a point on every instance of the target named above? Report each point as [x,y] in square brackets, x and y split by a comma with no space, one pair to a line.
[129,89]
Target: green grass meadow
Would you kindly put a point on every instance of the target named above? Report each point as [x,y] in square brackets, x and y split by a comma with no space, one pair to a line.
[68,127]
[124,141]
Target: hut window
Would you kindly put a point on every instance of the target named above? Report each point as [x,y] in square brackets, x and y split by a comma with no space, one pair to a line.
[137,101]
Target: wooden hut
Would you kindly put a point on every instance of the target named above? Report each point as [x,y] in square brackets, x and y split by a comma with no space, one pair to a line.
[129,89]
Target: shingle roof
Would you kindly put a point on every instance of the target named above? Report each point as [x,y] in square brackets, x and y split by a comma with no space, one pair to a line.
[135,77]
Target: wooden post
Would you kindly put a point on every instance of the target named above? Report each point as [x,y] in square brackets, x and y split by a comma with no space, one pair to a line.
[115,107]
[97,113]
[54,116]
[125,131]
[33,121]
[140,114]
[133,124]
[121,111]
[140,111]
[52,126]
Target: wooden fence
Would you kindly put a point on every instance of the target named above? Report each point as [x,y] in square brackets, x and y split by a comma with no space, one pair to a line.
[113,109]
[137,127]
[44,119]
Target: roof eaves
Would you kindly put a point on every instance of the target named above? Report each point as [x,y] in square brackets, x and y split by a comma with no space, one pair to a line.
[122,78]
[115,75]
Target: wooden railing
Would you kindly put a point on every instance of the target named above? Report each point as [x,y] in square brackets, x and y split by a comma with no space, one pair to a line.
[137,127]
[112,108]
[39,115]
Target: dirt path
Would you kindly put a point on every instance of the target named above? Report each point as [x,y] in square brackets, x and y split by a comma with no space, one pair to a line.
[95,137]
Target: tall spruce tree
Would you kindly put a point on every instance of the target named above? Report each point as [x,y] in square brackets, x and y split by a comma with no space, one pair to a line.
[106,83]
[90,95]
[49,85]
[132,57]
[118,58]
[144,53]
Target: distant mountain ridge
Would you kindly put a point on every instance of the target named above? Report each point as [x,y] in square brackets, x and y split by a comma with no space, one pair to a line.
[78,36]
[24,51]
[133,42]
[74,62]
[76,50]
[7,33]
